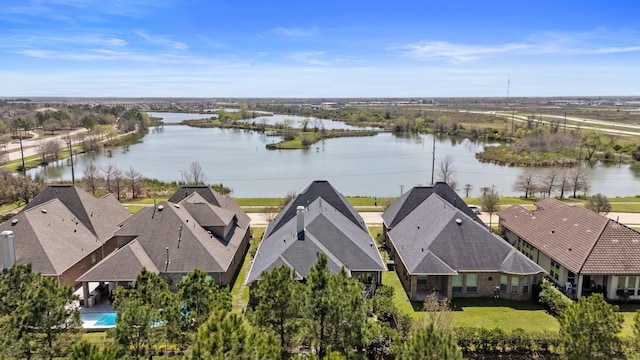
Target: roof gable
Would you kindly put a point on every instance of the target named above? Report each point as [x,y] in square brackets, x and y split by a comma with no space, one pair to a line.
[318,189]
[436,234]
[100,216]
[566,233]
[122,265]
[327,230]
[417,195]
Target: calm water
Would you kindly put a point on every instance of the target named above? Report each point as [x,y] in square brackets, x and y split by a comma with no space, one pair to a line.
[382,165]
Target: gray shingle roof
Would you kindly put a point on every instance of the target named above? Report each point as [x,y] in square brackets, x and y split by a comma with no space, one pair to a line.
[99,215]
[317,189]
[402,207]
[122,265]
[327,230]
[174,226]
[62,226]
[438,238]
[579,239]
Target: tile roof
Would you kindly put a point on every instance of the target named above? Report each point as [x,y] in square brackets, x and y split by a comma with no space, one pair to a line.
[579,239]
[436,237]
[327,230]
[400,208]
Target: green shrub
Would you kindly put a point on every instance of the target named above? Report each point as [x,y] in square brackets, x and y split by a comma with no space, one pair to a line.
[555,301]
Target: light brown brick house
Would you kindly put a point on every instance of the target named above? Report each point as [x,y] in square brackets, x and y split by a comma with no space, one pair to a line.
[439,245]
[577,246]
[64,231]
[196,228]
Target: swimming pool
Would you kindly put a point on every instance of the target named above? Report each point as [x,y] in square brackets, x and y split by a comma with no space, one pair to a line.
[98,320]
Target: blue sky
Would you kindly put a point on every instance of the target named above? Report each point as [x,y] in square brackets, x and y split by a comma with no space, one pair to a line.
[418,48]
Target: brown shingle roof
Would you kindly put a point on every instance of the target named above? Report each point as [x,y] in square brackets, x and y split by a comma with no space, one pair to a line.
[579,239]
[122,265]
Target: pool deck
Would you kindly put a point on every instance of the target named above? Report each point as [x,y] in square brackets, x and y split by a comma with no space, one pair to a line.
[102,307]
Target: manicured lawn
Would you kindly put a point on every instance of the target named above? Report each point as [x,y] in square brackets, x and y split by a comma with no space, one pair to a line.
[240,292]
[625,207]
[628,311]
[258,201]
[400,298]
[501,313]
[480,312]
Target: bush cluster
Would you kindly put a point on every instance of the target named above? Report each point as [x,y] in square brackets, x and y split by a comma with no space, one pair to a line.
[555,301]
[481,341]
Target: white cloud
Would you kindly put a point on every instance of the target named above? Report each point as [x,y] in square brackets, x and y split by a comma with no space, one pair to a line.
[597,42]
[295,32]
[162,40]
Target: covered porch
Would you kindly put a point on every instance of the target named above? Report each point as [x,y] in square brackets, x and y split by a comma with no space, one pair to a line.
[424,285]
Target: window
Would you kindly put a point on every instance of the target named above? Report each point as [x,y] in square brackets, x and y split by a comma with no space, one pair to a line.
[457,283]
[472,283]
[526,249]
[631,286]
[525,285]
[422,280]
[555,270]
[503,282]
[622,282]
[515,282]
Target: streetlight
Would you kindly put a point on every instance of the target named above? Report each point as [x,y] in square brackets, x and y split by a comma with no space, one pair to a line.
[181,176]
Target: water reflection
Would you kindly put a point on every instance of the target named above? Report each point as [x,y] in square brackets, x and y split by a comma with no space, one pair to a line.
[368,166]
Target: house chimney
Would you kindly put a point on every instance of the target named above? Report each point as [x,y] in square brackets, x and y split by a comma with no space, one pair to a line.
[8,250]
[300,218]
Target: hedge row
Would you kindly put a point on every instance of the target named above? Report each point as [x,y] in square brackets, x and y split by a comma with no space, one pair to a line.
[472,340]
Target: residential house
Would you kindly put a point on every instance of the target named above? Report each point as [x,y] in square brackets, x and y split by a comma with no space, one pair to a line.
[63,232]
[196,229]
[318,220]
[583,251]
[439,246]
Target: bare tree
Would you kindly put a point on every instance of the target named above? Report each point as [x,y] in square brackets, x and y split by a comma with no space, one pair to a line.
[467,189]
[491,203]
[135,181]
[447,171]
[578,180]
[438,313]
[549,181]
[118,181]
[270,213]
[598,203]
[287,199]
[91,177]
[195,175]
[109,175]
[68,140]
[563,183]
[526,182]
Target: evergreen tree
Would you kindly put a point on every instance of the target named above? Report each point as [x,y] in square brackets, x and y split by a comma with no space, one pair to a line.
[199,296]
[589,328]
[429,344]
[228,336]
[280,299]
[317,303]
[140,311]
[37,317]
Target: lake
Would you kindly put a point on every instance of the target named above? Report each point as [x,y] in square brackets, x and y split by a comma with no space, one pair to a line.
[381,165]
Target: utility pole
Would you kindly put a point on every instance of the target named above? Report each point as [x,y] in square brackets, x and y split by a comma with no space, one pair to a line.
[69,142]
[24,168]
[433,160]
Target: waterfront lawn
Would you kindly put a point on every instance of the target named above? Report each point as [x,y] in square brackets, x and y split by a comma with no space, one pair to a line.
[480,312]
[258,201]
[501,313]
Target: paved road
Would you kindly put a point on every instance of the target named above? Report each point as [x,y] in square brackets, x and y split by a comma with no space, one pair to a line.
[375,218]
[30,146]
